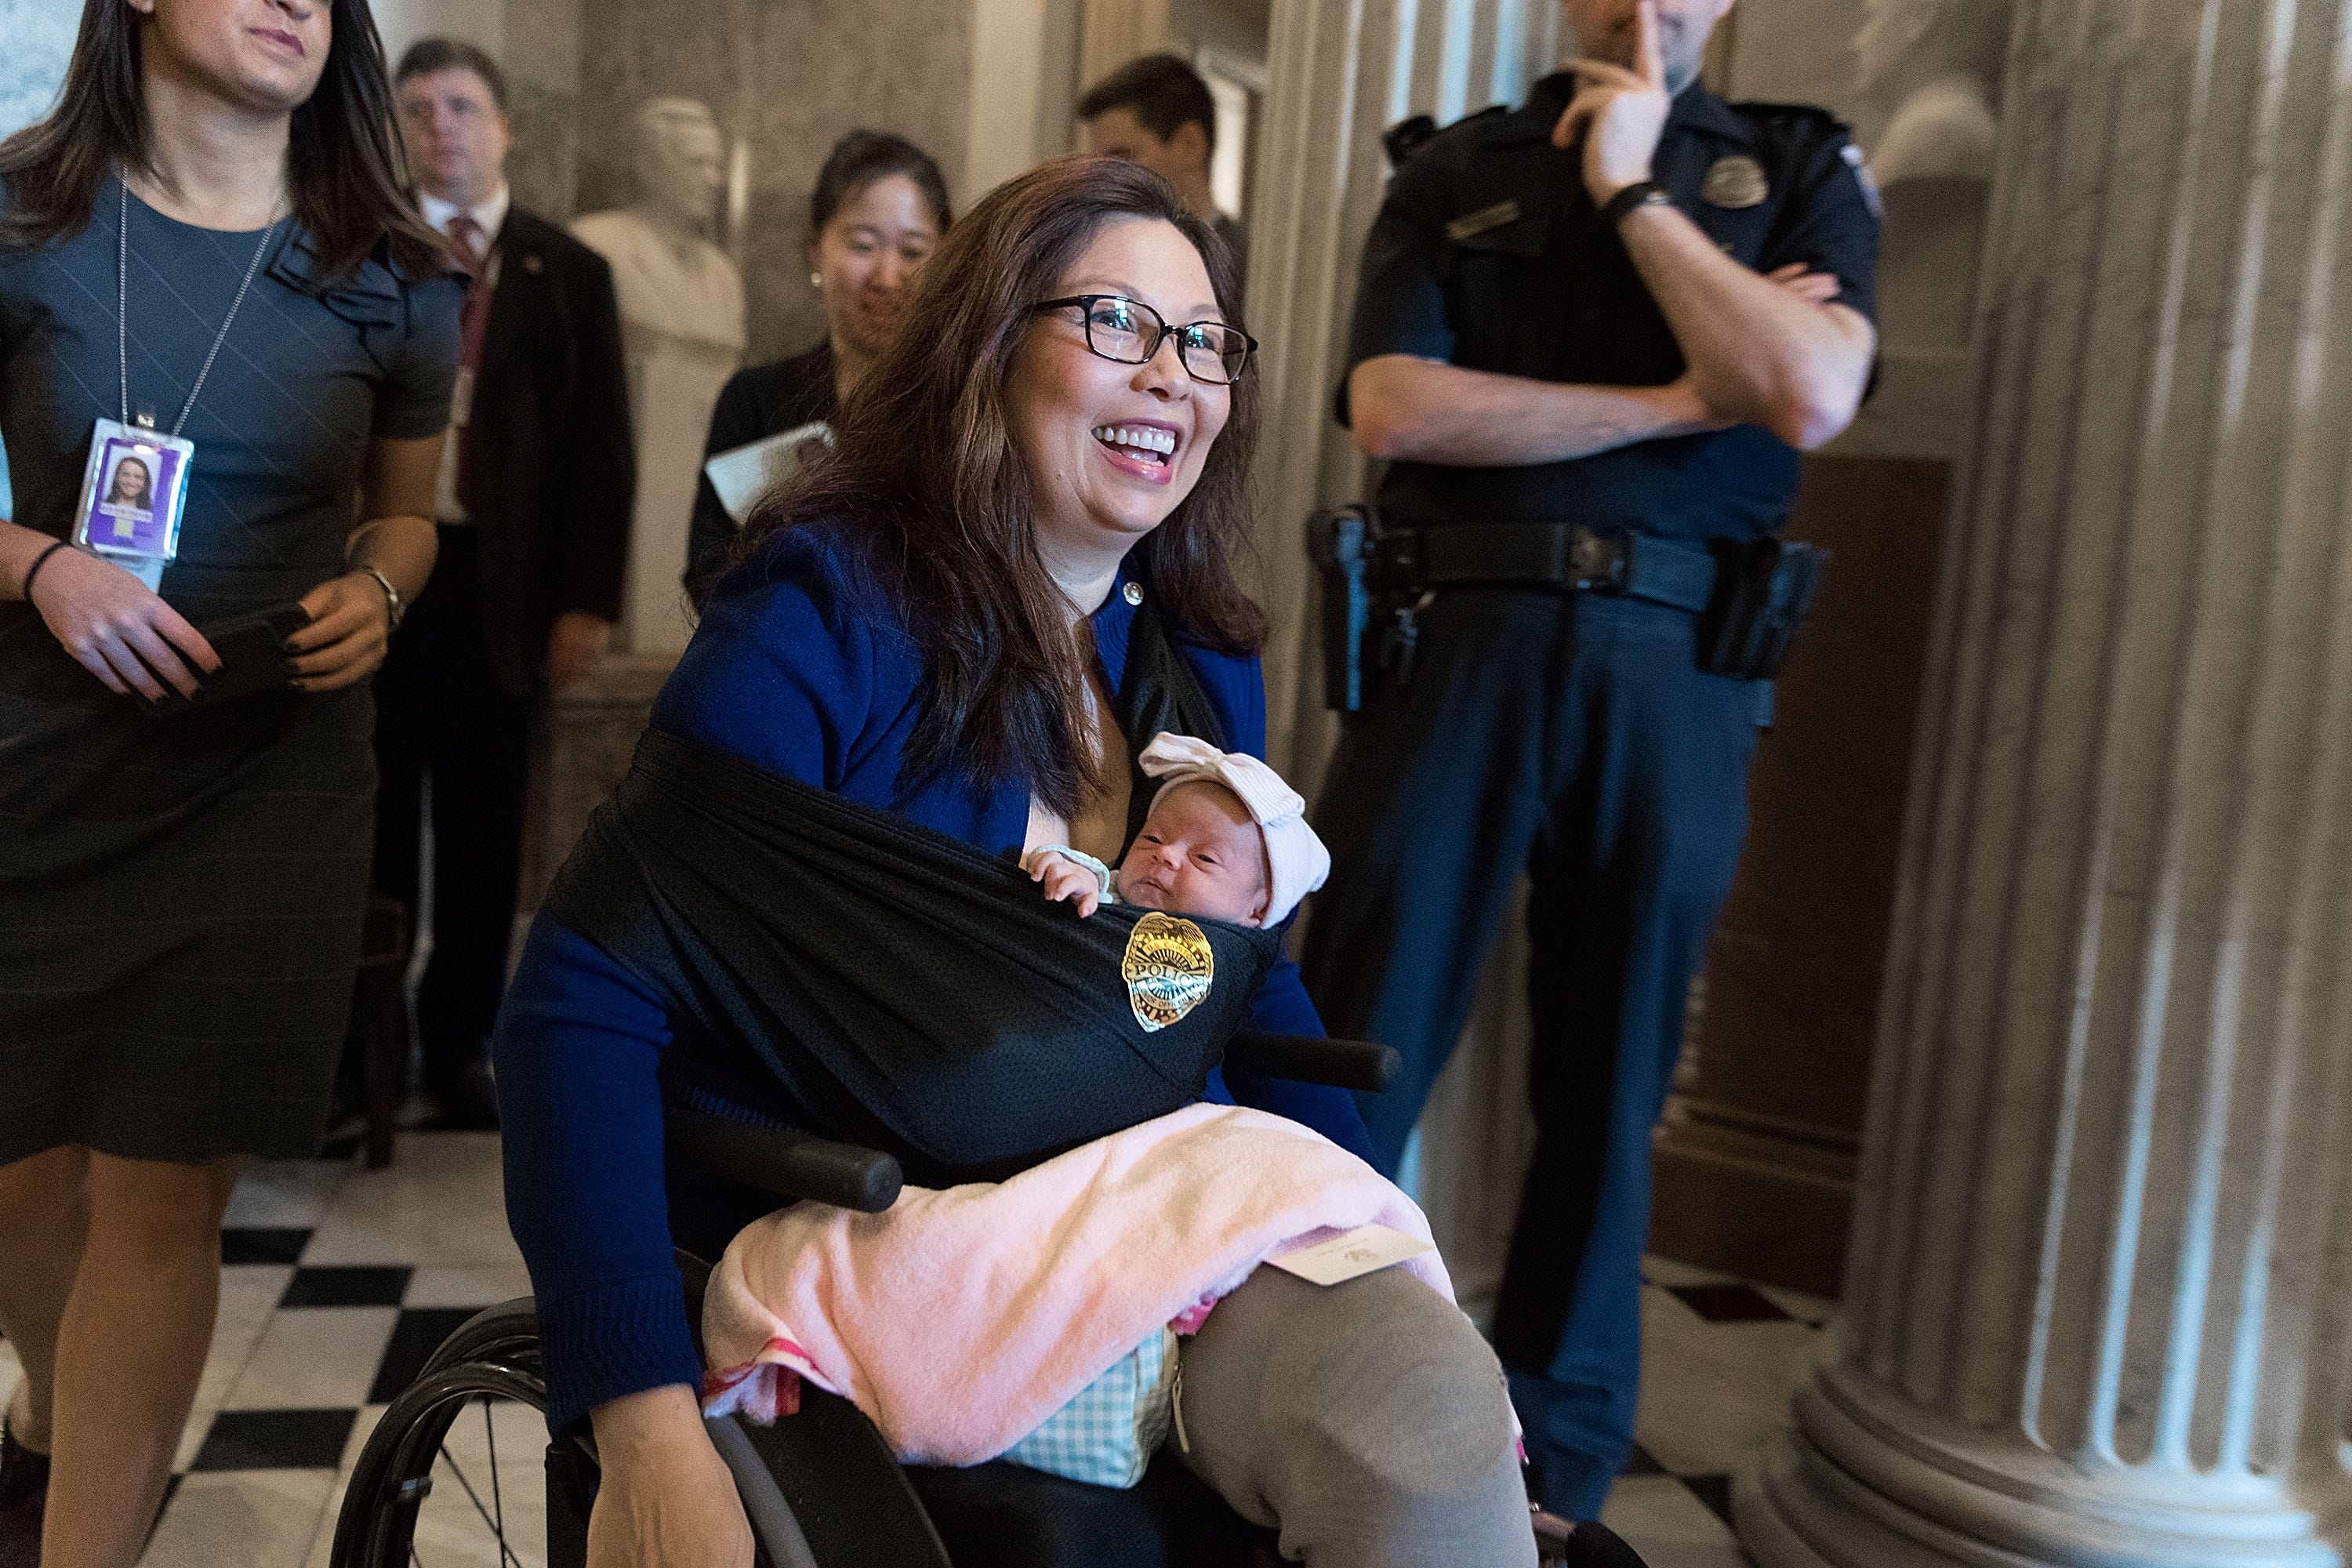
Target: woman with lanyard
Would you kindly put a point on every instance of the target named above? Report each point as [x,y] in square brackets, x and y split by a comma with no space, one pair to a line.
[878,211]
[206,259]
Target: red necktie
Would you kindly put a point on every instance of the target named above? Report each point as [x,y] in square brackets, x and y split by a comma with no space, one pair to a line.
[472,318]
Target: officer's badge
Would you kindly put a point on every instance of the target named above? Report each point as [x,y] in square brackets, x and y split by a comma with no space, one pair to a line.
[1473,224]
[1734,182]
[1169,969]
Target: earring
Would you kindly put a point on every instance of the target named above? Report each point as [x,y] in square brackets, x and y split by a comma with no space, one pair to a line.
[816,279]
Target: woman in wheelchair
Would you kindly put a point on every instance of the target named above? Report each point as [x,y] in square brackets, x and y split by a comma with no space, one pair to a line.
[1015,571]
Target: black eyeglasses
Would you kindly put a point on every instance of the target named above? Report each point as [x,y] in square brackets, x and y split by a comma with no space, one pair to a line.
[1130,331]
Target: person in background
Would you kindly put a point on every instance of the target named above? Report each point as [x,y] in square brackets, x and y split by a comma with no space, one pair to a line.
[1157,111]
[536,483]
[181,894]
[1591,336]
[878,211]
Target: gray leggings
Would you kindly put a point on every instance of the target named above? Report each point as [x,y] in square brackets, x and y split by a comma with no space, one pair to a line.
[1368,1421]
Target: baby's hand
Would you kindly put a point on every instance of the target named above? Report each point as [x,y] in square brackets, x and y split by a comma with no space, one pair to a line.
[1063,880]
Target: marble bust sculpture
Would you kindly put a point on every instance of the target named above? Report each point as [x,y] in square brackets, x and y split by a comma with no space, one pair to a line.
[683,331]
[1933,70]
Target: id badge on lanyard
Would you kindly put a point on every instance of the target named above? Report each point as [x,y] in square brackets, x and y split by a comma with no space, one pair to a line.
[133,490]
[135,486]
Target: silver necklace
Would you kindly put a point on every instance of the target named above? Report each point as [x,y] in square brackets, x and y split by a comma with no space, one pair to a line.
[123,316]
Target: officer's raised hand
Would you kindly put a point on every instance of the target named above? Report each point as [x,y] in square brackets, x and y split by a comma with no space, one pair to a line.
[1619,112]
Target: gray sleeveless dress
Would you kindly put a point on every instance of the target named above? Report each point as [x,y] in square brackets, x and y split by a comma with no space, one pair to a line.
[180,897]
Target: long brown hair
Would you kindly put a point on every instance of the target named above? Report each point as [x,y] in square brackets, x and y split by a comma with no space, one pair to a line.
[926,474]
[343,166]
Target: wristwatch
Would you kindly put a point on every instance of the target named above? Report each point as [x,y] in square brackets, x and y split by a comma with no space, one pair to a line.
[394,606]
[1639,194]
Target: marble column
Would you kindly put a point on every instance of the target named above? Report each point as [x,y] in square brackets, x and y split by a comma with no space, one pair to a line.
[1341,72]
[2096,1300]
[1114,32]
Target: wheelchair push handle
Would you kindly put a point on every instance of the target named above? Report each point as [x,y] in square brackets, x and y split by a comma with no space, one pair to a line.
[1312,1058]
[788,1163]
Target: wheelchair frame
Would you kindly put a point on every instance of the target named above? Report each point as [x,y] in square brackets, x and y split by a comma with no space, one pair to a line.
[495,1355]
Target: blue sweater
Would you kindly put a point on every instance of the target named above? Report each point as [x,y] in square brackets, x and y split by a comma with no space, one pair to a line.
[798,668]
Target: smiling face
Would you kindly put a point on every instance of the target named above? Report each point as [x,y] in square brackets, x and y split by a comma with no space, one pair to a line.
[1199,854]
[868,254]
[264,55]
[130,482]
[1111,448]
[1606,29]
[456,134]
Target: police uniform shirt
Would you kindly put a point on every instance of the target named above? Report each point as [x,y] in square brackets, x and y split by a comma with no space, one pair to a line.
[1488,253]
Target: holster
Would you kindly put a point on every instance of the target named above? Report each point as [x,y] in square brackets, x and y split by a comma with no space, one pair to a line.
[1764,589]
[1749,596]
[1341,541]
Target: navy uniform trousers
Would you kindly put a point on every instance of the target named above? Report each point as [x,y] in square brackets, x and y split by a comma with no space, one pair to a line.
[1574,736]
[445,725]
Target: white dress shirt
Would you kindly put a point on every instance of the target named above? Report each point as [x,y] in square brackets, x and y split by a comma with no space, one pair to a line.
[490,215]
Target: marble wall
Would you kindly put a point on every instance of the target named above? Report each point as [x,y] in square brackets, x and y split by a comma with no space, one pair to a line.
[785,78]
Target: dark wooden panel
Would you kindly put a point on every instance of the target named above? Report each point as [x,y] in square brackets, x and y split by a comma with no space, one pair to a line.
[1756,1158]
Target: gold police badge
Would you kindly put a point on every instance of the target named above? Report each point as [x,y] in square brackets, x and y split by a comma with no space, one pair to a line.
[1169,968]
[1734,182]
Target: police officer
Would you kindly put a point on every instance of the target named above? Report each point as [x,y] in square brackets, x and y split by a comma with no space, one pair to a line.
[1590,337]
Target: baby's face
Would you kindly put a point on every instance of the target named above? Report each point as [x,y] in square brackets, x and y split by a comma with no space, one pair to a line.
[1199,854]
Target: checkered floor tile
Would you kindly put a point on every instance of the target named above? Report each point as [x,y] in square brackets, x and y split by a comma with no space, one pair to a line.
[339,1282]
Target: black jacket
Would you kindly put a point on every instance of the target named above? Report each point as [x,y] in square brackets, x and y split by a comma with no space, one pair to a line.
[550,467]
[763,401]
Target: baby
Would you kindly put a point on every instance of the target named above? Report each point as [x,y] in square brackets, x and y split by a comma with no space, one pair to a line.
[1226,838]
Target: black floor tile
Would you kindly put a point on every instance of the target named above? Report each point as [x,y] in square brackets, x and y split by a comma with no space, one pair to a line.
[1639,1463]
[245,1245]
[1714,1491]
[275,1441]
[346,1287]
[1728,1303]
[415,1338]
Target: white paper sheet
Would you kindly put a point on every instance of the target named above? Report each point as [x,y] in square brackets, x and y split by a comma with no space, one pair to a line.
[742,475]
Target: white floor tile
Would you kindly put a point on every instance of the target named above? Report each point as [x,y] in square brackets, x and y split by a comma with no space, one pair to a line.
[11,1369]
[438,1203]
[480,1285]
[322,1546]
[314,1358]
[253,1519]
[249,1297]
[451,1526]
[290,1194]
[1713,1393]
[1665,1522]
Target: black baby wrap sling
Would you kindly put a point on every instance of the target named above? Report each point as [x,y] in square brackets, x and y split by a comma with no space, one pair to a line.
[911,991]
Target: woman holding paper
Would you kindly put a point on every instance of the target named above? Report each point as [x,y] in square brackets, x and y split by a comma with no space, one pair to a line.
[878,211]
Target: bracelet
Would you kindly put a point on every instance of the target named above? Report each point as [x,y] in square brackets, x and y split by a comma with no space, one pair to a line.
[25,589]
[393,606]
[1639,194]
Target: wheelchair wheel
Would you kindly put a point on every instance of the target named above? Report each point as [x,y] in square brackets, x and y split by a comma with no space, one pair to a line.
[459,1469]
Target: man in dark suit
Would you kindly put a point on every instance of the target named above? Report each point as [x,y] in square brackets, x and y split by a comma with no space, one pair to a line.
[536,487]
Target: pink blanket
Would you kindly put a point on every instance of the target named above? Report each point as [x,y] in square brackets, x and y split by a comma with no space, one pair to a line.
[960,1319]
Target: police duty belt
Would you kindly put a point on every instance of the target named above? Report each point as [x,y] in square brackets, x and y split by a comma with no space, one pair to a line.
[1547,554]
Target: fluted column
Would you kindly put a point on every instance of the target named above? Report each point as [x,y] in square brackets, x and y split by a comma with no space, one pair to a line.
[2094,1311]
[1343,71]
